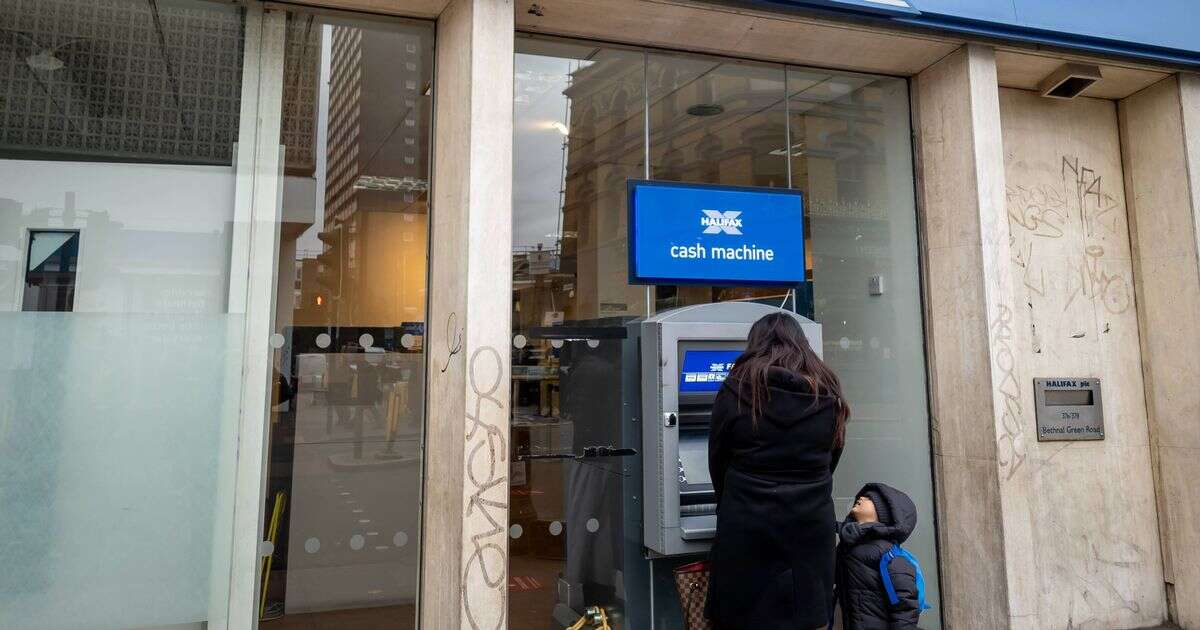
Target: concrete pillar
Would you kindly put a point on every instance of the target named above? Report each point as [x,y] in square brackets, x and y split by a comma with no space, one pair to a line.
[980,399]
[465,521]
[1160,139]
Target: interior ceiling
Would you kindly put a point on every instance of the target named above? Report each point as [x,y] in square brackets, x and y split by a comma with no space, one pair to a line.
[754,34]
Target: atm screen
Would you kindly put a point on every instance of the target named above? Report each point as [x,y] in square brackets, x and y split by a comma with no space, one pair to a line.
[705,370]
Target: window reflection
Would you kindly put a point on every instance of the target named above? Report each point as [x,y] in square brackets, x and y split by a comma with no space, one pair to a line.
[717,121]
[581,131]
[579,136]
[50,267]
[342,500]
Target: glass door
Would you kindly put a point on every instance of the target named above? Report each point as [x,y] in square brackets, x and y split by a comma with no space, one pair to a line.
[342,503]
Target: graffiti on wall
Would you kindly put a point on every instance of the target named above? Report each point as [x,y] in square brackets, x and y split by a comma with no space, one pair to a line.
[1010,446]
[485,518]
[1079,210]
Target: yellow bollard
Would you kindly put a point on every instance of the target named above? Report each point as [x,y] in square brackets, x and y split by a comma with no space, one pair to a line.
[273,536]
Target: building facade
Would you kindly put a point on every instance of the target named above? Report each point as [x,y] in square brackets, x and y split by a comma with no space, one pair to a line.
[322,314]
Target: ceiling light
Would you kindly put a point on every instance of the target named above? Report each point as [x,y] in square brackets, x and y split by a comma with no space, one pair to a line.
[797,150]
[372,182]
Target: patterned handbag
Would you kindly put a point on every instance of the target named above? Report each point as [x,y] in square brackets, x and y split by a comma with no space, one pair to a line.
[691,580]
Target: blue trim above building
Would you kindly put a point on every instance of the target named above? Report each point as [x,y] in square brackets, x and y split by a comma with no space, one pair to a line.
[1158,30]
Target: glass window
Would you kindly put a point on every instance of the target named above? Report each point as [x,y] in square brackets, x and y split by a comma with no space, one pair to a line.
[50,266]
[579,136]
[851,155]
[582,130]
[119,418]
[342,502]
[716,121]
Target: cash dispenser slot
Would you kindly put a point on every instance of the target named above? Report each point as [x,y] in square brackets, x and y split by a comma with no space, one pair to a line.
[697,496]
[695,415]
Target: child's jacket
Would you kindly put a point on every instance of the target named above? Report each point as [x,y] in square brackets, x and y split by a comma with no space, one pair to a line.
[860,589]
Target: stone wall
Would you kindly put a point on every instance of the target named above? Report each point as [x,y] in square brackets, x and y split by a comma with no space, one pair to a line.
[1093,527]
[1160,138]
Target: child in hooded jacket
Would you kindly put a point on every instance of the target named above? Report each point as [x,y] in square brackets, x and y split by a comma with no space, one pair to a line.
[882,516]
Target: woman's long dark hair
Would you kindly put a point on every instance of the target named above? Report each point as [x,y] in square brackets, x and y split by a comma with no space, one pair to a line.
[776,340]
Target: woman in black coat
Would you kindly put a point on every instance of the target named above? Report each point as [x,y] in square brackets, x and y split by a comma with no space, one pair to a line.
[778,425]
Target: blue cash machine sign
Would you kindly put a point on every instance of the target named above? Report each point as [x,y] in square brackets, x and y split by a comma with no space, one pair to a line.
[714,235]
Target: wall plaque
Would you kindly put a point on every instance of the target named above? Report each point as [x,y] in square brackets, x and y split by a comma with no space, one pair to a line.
[1068,409]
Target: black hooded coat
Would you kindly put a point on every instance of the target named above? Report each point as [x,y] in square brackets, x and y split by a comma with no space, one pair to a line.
[860,589]
[773,559]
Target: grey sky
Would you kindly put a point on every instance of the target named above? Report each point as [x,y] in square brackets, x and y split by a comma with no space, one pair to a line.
[538,164]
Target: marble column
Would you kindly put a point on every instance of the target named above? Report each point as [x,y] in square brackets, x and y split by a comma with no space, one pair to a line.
[465,520]
[979,397]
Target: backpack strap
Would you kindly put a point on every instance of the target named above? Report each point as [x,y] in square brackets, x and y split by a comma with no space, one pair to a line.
[893,553]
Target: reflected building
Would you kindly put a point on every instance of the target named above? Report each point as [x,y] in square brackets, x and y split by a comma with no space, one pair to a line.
[375,210]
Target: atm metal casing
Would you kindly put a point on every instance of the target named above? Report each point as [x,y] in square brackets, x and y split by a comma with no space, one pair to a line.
[666,415]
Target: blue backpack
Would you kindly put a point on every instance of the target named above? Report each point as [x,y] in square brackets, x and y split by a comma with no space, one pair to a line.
[893,598]
[893,553]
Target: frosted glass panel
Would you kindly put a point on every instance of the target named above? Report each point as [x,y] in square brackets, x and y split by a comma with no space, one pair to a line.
[112,428]
[118,421]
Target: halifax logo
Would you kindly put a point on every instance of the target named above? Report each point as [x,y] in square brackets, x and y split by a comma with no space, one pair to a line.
[717,222]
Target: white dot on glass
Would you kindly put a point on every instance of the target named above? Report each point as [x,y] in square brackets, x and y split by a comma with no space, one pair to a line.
[844,342]
[357,541]
[593,525]
[593,343]
[519,341]
[323,340]
[400,539]
[277,341]
[555,528]
[366,340]
[312,545]
[406,340]
[557,343]
[515,531]
[874,343]
[266,548]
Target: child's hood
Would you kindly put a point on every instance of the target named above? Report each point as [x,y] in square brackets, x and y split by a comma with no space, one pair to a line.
[903,517]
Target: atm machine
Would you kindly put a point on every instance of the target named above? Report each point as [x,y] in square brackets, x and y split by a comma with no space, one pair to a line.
[686,354]
[634,516]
